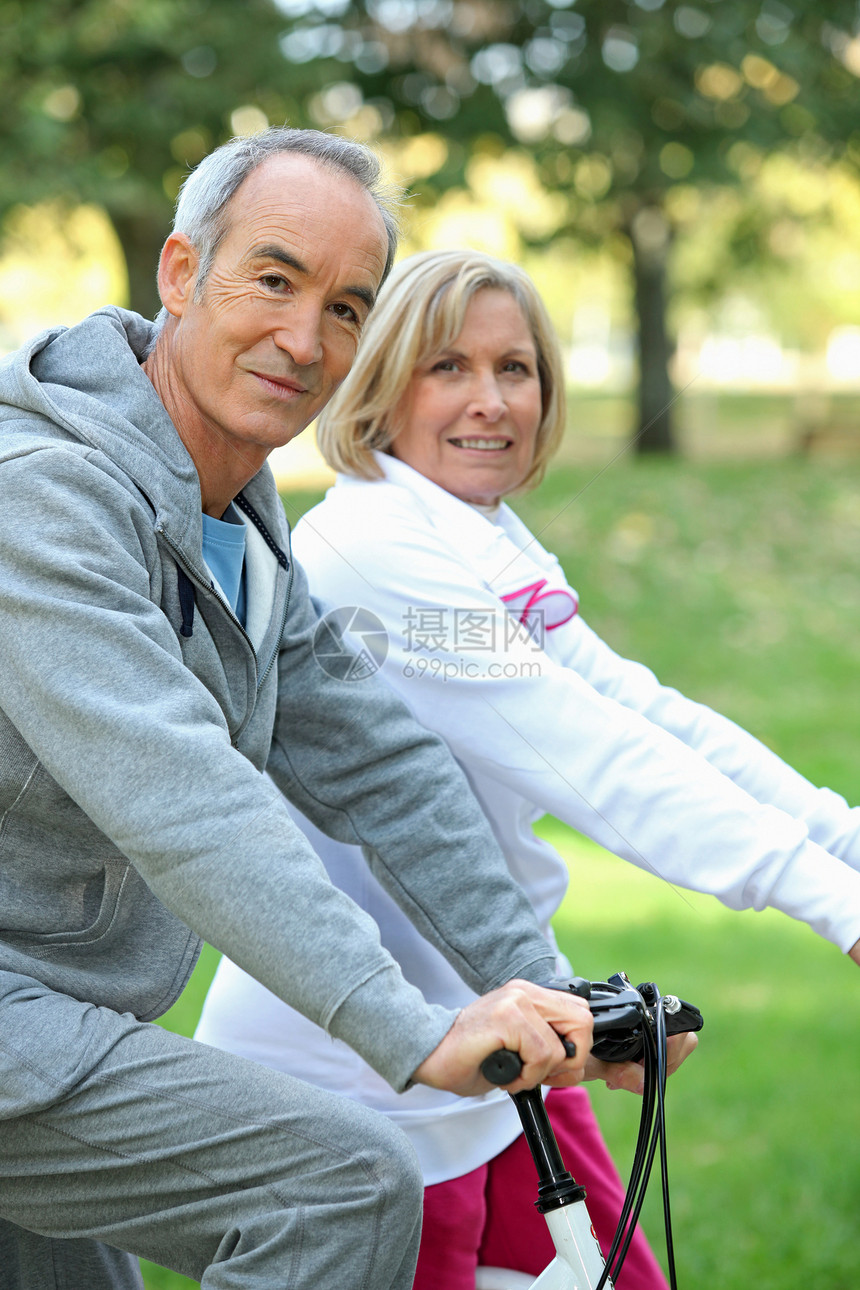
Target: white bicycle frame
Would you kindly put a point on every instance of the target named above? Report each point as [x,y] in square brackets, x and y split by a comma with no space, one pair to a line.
[578,1262]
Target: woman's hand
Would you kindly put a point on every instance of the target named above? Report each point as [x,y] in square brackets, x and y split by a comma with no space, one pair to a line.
[631,1075]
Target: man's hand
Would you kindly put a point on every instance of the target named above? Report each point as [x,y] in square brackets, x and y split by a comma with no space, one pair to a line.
[631,1075]
[854,952]
[521,1016]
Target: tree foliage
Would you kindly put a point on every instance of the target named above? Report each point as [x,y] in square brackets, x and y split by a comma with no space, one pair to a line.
[110,101]
[619,101]
[616,102]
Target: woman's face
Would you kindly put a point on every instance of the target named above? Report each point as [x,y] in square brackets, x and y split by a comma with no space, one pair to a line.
[470,414]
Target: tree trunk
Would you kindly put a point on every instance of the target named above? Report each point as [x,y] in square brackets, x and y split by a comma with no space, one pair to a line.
[650,238]
[142,237]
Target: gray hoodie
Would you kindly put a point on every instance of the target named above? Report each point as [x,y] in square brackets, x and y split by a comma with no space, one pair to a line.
[138,719]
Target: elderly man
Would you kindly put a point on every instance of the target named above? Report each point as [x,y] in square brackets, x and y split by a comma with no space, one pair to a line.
[157,658]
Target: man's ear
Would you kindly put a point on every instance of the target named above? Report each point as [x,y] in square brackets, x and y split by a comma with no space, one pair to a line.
[177,273]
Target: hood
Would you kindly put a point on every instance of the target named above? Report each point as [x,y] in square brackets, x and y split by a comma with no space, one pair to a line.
[85,384]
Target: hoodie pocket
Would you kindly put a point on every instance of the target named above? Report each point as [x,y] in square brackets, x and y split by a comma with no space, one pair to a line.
[60,877]
[113,879]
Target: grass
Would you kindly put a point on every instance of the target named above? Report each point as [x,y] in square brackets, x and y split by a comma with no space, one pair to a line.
[763,1189]
[740,584]
[713,424]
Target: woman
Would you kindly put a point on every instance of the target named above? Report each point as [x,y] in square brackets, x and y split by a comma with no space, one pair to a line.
[455,402]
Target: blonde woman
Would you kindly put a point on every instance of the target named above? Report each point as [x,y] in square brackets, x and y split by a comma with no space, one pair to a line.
[456,402]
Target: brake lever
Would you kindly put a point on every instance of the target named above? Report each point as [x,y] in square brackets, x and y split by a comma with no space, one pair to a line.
[610,1011]
[620,1015]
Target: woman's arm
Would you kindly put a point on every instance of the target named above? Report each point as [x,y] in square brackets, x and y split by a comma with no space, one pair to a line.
[541,730]
[732,750]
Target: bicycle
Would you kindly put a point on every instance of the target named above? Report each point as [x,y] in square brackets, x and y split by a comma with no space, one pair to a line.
[629,1024]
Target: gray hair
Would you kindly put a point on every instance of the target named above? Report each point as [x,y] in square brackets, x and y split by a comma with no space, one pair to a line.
[202,209]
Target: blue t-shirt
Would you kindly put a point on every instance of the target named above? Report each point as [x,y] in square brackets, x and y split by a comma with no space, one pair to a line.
[224,553]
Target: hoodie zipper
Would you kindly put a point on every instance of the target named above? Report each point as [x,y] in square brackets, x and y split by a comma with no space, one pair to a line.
[274,654]
[194,576]
[280,555]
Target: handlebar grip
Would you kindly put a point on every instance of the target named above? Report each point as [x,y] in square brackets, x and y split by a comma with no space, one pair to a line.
[503,1066]
[621,1015]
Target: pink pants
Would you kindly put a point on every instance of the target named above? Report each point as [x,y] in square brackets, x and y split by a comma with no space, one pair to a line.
[487,1217]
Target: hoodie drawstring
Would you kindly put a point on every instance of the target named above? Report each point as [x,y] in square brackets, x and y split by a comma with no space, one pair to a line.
[186,602]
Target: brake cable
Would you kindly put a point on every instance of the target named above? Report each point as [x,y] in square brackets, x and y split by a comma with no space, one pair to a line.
[652,1134]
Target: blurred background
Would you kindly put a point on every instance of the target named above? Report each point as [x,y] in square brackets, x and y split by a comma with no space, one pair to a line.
[682,180]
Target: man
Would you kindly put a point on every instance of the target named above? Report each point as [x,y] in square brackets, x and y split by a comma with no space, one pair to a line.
[141,700]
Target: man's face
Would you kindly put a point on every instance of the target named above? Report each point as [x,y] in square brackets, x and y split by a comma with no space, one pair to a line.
[255,359]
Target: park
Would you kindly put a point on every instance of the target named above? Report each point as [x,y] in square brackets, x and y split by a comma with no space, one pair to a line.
[682,181]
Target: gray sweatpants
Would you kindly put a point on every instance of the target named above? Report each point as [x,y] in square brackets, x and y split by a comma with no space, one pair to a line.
[135,1139]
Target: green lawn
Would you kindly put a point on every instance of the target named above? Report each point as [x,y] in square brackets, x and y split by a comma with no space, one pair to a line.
[740,584]
[763,1119]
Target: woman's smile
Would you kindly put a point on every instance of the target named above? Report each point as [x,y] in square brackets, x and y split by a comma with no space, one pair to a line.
[471,413]
[482,445]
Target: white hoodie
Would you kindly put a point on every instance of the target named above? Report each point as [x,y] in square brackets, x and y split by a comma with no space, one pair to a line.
[486,646]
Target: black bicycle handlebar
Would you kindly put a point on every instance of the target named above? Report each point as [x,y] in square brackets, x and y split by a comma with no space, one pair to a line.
[620,1015]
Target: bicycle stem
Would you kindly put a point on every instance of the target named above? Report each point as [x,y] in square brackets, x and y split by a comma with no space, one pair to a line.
[556,1186]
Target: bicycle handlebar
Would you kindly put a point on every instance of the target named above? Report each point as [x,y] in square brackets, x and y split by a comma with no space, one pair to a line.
[620,1014]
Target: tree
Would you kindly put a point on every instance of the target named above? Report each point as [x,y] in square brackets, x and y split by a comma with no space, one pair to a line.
[618,101]
[110,101]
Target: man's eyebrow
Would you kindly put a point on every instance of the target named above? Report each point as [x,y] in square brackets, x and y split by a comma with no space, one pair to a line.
[271,251]
[364,294]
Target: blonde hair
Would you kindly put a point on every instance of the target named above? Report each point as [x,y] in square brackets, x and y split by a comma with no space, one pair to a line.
[420,312]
